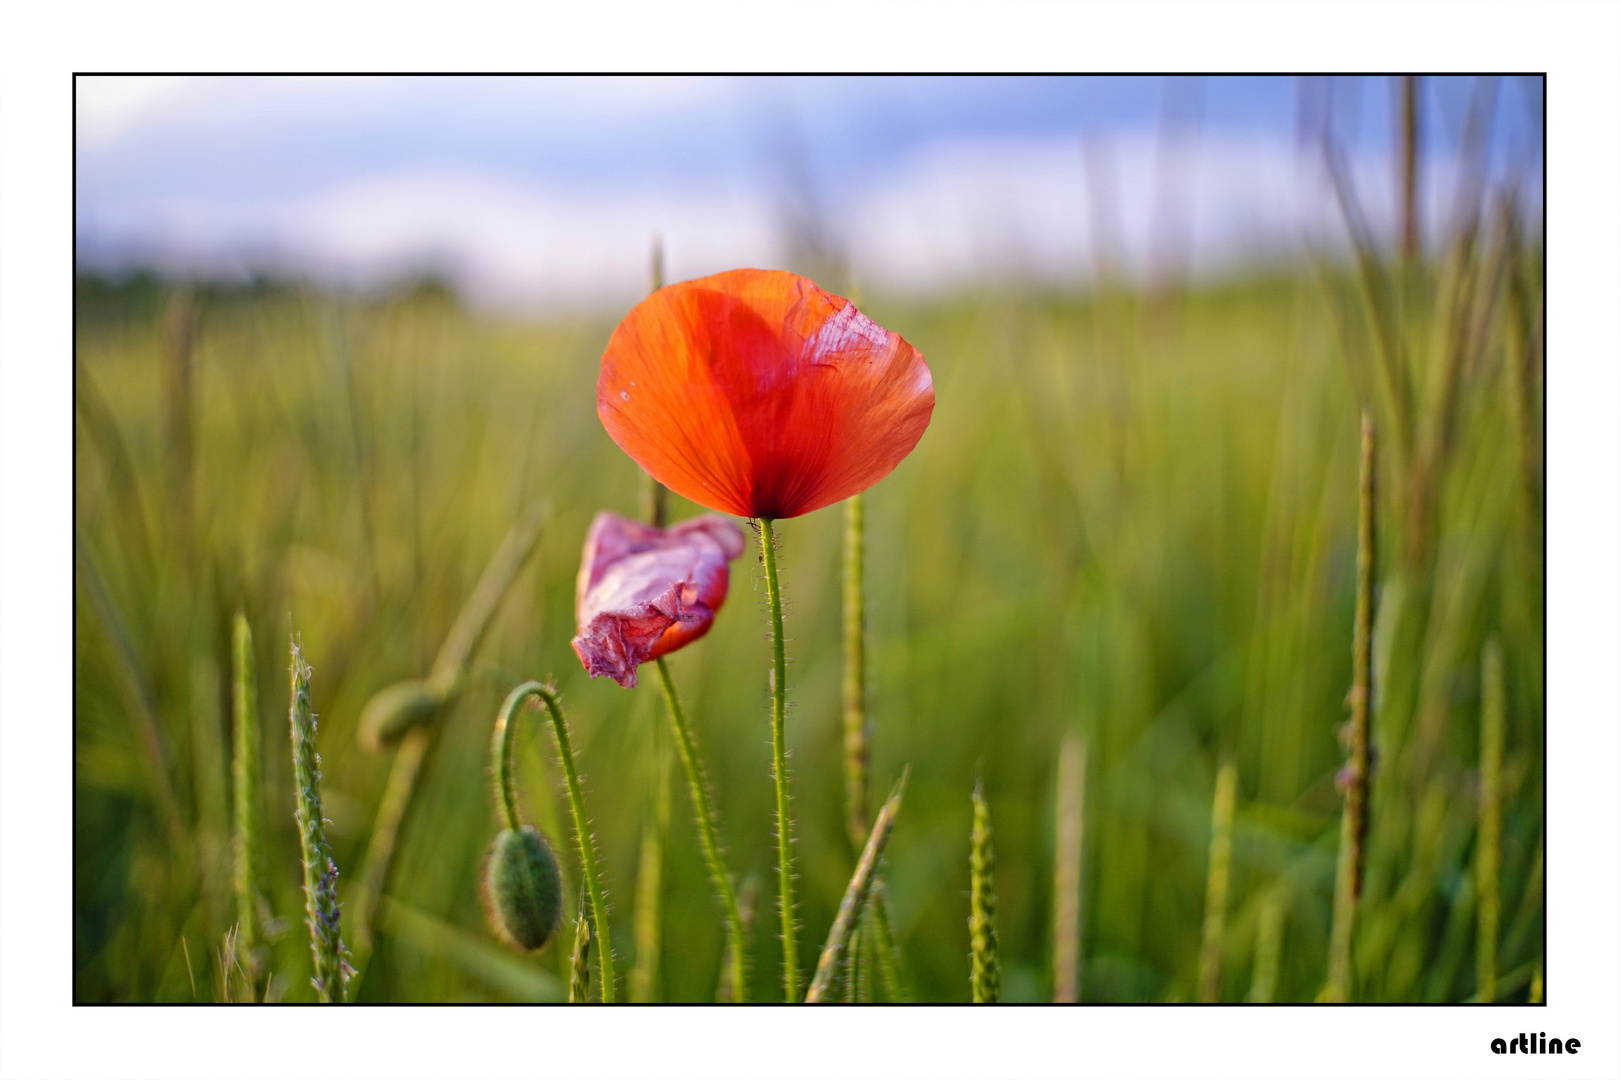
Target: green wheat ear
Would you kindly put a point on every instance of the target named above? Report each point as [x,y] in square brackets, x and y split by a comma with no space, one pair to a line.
[321,909]
[845,926]
[579,965]
[986,979]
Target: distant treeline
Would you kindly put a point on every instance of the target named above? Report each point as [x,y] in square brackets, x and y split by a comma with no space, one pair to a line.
[141,293]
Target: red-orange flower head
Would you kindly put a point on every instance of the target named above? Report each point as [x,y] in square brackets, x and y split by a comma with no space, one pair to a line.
[644,591]
[755,393]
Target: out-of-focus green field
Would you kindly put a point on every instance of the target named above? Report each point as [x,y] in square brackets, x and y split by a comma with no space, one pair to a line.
[1133,516]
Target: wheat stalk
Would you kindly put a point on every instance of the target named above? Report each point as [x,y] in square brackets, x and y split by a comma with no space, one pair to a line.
[1487,859]
[1220,864]
[1268,947]
[1357,777]
[855,724]
[1066,873]
[247,776]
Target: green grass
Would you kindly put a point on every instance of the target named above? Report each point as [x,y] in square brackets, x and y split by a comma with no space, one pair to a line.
[1132,516]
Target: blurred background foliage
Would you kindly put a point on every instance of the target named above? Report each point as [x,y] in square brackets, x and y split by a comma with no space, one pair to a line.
[1133,518]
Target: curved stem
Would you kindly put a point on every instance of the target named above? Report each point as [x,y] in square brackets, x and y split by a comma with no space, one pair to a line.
[576,801]
[712,852]
[501,751]
[784,838]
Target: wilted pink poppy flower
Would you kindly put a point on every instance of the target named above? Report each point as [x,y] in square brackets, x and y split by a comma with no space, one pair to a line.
[645,591]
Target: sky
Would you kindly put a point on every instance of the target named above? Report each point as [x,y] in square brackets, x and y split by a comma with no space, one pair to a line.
[538,192]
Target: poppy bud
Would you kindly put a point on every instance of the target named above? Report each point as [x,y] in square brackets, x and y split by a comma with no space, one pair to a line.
[394,710]
[523,888]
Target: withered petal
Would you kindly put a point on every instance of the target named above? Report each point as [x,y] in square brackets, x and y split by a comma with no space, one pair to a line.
[644,592]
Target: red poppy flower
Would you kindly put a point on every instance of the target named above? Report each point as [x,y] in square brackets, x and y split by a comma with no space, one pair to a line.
[644,591]
[755,393]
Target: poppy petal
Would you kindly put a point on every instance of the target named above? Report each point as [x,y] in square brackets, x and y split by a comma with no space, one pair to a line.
[756,393]
[644,592]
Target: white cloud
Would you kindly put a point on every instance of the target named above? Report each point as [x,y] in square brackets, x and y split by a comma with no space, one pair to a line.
[949,212]
[106,106]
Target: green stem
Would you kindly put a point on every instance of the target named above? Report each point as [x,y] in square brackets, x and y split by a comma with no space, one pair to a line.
[398,792]
[698,785]
[1071,801]
[1488,848]
[1353,831]
[784,838]
[248,773]
[855,744]
[576,801]
[1220,867]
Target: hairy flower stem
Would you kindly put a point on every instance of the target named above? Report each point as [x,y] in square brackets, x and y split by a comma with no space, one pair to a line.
[1357,773]
[713,852]
[855,733]
[986,979]
[247,775]
[507,794]
[784,837]
[320,872]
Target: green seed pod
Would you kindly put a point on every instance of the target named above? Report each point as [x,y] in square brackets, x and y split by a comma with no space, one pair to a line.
[394,710]
[523,888]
